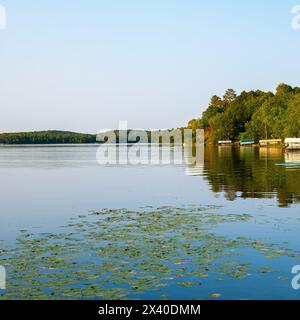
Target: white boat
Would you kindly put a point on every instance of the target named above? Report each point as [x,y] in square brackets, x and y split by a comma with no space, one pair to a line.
[270,142]
[224,142]
[292,144]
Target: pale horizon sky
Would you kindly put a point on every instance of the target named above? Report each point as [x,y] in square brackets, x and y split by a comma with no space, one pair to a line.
[84,65]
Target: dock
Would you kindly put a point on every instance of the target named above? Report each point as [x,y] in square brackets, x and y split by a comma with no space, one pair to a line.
[270,142]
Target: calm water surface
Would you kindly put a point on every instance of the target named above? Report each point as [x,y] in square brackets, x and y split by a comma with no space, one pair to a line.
[42,188]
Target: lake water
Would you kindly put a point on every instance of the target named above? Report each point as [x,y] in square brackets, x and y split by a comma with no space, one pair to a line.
[227,228]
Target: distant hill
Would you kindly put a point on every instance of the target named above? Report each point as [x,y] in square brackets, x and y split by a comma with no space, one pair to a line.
[65,137]
[252,115]
[46,137]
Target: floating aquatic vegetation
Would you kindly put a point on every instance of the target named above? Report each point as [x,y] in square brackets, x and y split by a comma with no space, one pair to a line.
[121,254]
[214,295]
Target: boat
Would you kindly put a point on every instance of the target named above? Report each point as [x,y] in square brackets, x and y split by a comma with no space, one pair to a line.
[224,142]
[288,164]
[292,144]
[247,142]
[270,142]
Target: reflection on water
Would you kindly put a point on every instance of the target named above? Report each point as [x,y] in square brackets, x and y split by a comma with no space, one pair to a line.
[47,156]
[249,172]
[238,172]
[47,188]
[292,157]
[53,156]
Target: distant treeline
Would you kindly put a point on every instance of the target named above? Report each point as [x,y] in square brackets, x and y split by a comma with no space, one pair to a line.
[65,137]
[252,115]
[46,137]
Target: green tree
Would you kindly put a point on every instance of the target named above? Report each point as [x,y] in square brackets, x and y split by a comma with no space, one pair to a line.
[253,114]
[229,96]
[283,88]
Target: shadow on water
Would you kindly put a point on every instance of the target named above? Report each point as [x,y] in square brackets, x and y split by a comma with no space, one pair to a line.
[251,172]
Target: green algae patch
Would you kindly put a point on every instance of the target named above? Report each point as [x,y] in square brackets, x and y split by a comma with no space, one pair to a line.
[125,254]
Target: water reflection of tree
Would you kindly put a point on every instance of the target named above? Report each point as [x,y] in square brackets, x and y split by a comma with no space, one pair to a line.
[251,173]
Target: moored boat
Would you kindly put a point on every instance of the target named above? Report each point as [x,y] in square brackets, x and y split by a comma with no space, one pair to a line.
[292,144]
[270,142]
[224,142]
[247,142]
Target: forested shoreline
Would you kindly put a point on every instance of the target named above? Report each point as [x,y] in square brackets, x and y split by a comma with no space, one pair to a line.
[56,137]
[66,137]
[46,137]
[252,115]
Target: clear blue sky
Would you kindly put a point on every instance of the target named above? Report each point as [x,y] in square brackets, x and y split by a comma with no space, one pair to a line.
[83,65]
